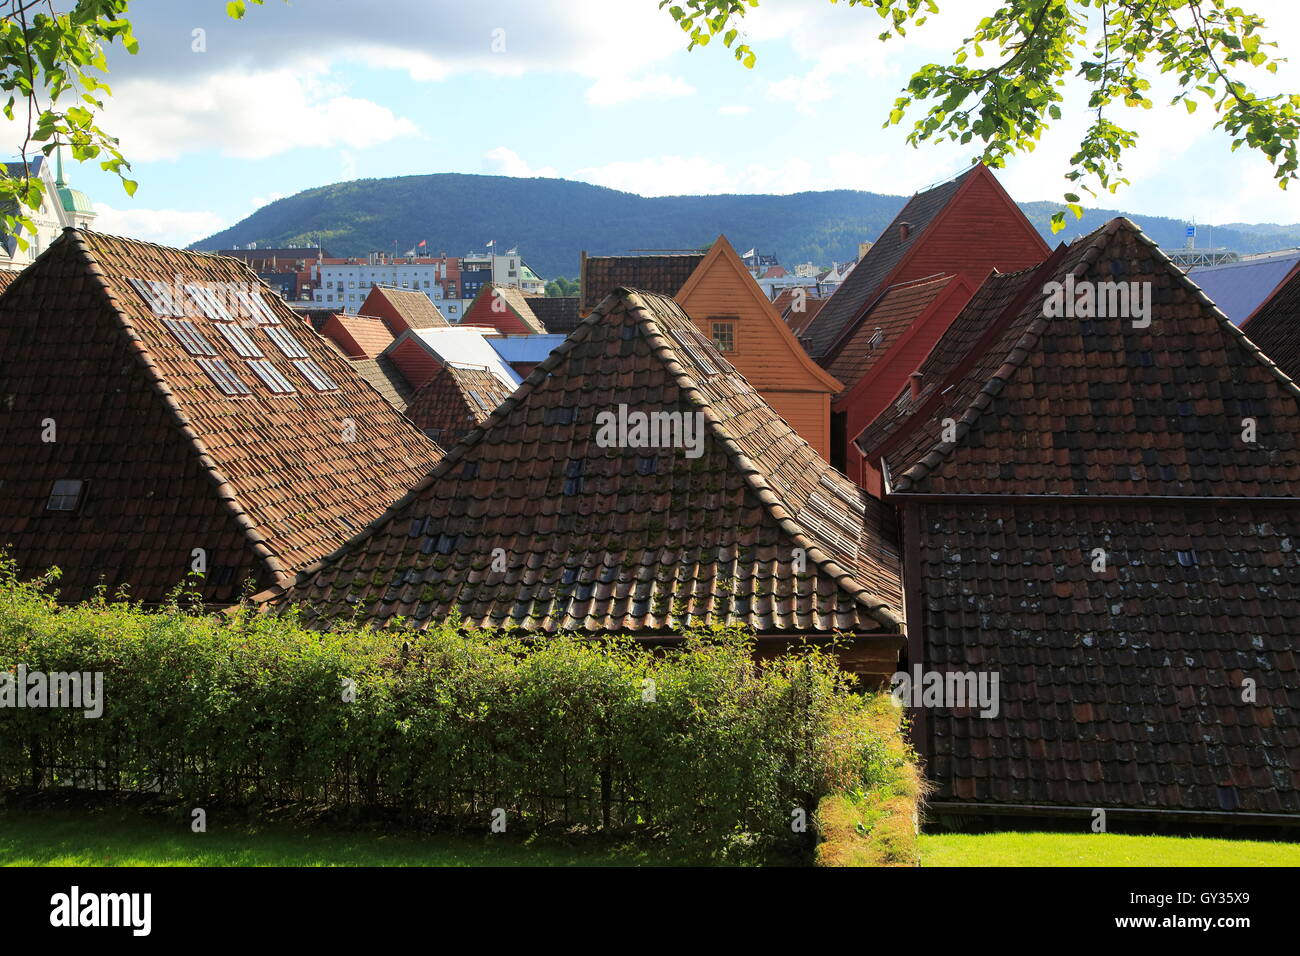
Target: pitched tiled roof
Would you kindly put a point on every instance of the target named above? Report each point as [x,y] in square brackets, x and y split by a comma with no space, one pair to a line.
[1120,685]
[1239,288]
[558,313]
[7,276]
[893,314]
[798,321]
[664,274]
[517,302]
[1087,387]
[284,471]
[864,283]
[625,539]
[416,309]
[359,336]
[455,400]
[1275,328]
[1122,688]
[387,379]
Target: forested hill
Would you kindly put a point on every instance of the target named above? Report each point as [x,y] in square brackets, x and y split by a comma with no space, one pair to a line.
[552,220]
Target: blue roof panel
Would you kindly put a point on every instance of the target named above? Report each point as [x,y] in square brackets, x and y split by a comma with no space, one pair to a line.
[1239,288]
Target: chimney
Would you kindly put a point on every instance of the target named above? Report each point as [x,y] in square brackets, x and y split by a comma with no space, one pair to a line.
[915,381]
[904,230]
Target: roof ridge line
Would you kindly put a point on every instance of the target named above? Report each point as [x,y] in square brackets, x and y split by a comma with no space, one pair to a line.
[158,384]
[754,478]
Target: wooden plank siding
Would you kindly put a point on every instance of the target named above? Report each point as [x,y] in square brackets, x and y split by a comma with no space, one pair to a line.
[765,351]
[980,230]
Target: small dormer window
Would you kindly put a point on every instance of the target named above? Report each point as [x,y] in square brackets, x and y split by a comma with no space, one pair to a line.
[65,495]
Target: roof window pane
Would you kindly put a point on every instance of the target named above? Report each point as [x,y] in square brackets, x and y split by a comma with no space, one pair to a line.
[316,375]
[224,377]
[271,377]
[66,495]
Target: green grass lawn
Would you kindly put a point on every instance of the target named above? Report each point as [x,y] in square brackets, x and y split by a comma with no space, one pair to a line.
[1099,849]
[110,838]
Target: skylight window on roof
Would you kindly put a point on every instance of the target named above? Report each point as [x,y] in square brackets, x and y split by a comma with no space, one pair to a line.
[208,302]
[284,340]
[191,339]
[159,297]
[849,494]
[271,377]
[239,341]
[65,495]
[249,302]
[224,377]
[316,375]
[481,404]
[828,531]
[687,340]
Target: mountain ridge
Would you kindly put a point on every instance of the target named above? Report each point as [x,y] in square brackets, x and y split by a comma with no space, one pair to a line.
[552,221]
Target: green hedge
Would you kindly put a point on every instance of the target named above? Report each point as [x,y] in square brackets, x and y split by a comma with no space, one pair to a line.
[447,724]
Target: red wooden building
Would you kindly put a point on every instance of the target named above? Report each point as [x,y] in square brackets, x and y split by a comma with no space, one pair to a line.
[505,309]
[965,227]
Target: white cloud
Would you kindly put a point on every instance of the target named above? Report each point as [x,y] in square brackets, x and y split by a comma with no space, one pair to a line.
[168,227]
[614,89]
[735,109]
[232,114]
[506,162]
[609,44]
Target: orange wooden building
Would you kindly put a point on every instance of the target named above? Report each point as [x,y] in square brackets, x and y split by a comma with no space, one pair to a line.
[729,307]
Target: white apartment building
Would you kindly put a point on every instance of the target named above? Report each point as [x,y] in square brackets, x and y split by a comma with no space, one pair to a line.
[344,287]
[506,269]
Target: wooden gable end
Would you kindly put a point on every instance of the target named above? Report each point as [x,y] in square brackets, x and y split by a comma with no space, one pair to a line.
[980,229]
[721,292]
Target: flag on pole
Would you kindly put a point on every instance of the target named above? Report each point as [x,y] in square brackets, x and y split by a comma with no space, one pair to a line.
[422,243]
[491,243]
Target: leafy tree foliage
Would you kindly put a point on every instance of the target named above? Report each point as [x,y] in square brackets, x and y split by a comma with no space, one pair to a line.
[561,287]
[51,68]
[1205,46]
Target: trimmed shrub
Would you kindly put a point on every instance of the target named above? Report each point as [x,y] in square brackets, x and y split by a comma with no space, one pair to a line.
[702,745]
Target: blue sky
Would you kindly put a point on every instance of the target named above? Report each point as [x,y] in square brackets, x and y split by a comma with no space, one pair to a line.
[321,91]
